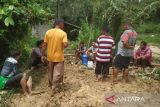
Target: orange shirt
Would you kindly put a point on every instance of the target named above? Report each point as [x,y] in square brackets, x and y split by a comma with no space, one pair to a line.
[55,39]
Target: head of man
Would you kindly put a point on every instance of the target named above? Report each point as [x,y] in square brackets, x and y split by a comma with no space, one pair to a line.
[105,30]
[39,43]
[59,23]
[15,54]
[93,43]
[81,44]
[143,45]
[127,25]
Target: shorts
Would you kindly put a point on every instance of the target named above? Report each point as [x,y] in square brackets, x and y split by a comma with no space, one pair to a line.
[102,68]
[121,62]
[14,81]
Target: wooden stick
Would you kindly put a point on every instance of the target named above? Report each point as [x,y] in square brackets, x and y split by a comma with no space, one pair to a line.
[69,54]
[72,25]
[157,65]
[37,92]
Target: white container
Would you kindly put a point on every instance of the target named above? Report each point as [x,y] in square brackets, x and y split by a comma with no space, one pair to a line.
[90,64]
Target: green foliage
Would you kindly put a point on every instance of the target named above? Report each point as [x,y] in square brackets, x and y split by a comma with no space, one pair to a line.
[25,45]
[157,74]
[74,44]
[9,21]
[150,38]
[114,12]
[16,19]
[149,28]
[87,34]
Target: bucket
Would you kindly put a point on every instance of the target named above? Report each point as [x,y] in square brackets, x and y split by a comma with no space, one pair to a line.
[90,64]
[84,59]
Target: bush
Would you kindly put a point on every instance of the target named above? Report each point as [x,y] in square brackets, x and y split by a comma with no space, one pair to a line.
[25,45]
[88,34]
[149,28]
[74,44]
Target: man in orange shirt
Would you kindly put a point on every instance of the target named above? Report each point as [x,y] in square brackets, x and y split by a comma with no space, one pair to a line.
[55,41]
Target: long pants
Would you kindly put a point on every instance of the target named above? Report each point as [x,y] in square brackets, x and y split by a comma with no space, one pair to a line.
[56,71]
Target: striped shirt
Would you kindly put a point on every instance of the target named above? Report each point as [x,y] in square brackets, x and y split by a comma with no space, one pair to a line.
[128,36]
[104,48]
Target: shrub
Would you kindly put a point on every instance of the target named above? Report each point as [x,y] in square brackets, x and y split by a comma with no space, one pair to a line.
[25,45]
[88,34]
[149,28]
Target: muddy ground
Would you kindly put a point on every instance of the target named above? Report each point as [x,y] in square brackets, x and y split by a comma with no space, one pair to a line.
[81,90]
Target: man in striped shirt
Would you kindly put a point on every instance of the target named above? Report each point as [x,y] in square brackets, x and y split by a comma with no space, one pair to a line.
[103,56]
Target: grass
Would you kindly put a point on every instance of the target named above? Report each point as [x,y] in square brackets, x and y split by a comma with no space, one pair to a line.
[152,39]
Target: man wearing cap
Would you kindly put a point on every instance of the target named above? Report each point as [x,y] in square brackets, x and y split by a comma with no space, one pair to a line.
[125,51]
[55,41]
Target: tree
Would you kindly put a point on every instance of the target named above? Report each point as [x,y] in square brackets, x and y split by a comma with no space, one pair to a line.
[16,18]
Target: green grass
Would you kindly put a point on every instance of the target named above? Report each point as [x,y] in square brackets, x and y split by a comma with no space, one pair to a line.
[152,39]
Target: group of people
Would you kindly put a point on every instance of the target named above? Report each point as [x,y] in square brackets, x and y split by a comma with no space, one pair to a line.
[82,49]
[11,76]
[52,50]
[101,53]
[54,42]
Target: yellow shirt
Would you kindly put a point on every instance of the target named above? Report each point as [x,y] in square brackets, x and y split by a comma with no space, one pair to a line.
[55,39]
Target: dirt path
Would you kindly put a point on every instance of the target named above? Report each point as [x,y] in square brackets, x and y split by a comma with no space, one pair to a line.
[81,90]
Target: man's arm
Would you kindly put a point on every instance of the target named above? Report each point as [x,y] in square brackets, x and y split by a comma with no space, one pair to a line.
[124,39]
[65,44]
[44,48]
[147,54]
[89,50]
[126,45]
[43,52]
[38,52]
[65,41]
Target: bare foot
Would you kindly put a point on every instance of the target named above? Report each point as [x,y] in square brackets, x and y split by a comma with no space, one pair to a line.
[98,78]
[53,92]
[26,94]
[114,82]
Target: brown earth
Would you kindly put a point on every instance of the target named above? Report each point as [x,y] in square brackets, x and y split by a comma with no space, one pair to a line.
[81,90]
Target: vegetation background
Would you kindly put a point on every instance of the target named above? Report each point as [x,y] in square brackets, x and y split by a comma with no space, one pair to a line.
[18,16]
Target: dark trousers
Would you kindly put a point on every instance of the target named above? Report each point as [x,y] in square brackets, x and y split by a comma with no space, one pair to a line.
[121,62]
[102,68]
[34,62]
[14,81]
